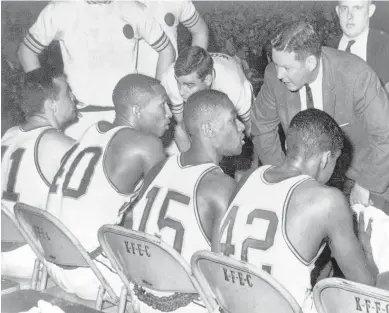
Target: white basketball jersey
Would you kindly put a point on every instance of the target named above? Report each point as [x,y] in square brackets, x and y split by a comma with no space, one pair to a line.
[81,195]
[254,230]
[21,178]
[169,208]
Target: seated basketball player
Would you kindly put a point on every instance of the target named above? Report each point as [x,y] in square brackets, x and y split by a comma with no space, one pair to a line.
[104,172]
[289,214]
[31,154]
[198,188]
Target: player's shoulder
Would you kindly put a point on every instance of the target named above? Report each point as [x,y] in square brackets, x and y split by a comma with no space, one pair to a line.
[216,184]
[316,195]
[227,68]
[131,140]
[54,140]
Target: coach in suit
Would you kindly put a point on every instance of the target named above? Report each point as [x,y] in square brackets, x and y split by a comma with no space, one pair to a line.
[369,44]
[304,75]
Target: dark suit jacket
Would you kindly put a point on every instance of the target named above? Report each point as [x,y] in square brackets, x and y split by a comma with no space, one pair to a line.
[377,53]
[352,95]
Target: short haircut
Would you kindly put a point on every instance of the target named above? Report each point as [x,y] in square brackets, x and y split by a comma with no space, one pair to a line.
[193,59]
[133,89]
[298,37]
[313,131]
[39,86]
[204,107]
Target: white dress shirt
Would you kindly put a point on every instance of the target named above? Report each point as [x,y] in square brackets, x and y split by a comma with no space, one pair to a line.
[359,47]
[317,91]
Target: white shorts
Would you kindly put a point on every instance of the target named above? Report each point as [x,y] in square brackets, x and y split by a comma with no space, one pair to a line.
[82,281]
[18,263]
[87,119]
[379,234]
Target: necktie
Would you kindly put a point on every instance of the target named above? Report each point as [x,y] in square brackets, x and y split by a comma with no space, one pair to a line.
[309,97]
[350,43]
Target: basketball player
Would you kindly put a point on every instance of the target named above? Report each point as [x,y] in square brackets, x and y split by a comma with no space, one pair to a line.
[169,14]
[196,69]
[191,183]
[103,173]
[98,42]
[31,154]
[281,217]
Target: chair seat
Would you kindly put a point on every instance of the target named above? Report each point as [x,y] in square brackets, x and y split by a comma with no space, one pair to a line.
[24,300]
[8,286]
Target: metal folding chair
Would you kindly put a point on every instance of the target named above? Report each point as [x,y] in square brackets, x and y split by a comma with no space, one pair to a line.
[11,239]
[240,287]
[53,242]
[149,262]
[336,295]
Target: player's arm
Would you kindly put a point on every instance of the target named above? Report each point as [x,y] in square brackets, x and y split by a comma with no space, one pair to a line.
[169,82]
[165,58]
[51,148]
[40,35]
[214,194]
[344,245]
[192,20]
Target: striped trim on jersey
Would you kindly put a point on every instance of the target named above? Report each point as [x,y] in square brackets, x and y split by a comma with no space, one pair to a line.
[161,43]
[33,44]
[196,211]
[285,235]
[36,161]
[192,21]
[246,116]
[99,2]
[177,108]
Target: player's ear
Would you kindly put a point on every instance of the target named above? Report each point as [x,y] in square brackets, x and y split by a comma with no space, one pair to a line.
[208,80]
[325,158]
[207,130]
[136,110]
[371,9]
[337,10]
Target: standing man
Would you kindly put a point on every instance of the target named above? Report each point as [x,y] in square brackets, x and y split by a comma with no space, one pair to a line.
[358,38]
[98,42]
[103,173]
[169,14]
[281,217]
[31,154]
[304,75]
[190,190]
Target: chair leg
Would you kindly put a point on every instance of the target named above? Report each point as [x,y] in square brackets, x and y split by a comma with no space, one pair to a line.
[44,277]
[122,300]
[35,275]
[100,297]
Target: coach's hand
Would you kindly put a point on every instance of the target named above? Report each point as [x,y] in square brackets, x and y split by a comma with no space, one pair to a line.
[360,195]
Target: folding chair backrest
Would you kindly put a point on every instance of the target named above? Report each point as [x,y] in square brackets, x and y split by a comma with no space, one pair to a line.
[335,295]
[10,233]
[58,245]
[145,260]
[240,287]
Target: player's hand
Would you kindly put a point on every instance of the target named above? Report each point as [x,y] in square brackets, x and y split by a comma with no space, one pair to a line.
[364,234]
[360,195]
